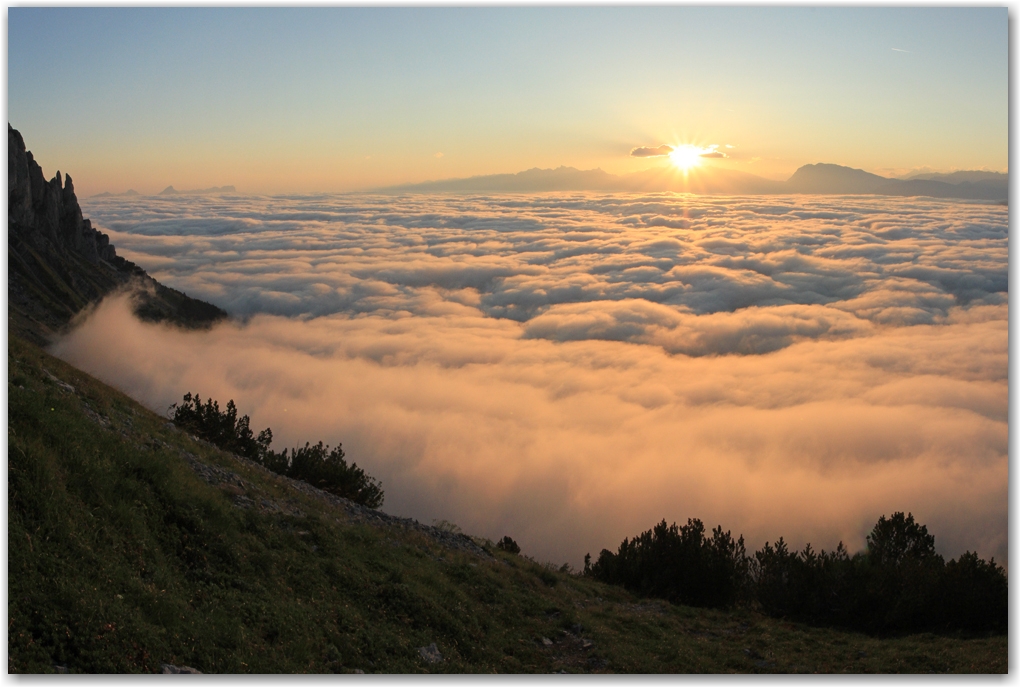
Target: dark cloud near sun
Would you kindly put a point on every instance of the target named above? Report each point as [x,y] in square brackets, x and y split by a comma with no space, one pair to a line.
[652,152]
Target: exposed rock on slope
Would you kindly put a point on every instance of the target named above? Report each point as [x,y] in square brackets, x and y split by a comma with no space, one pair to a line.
[58,262]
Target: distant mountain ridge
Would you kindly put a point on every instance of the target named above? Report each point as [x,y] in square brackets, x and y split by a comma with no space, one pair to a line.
[819,178]
[58,263]
[171,191]
[531,180]
[963,176]
[107,194]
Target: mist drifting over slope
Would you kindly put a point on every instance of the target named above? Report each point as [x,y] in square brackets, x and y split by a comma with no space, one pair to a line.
[570,368]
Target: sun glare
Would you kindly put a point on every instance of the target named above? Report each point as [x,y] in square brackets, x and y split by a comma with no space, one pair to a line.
[686,156]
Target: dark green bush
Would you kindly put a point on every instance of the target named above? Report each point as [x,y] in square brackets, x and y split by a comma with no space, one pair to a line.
[898,584]
[975,594]
[679,564]
[327,470]
[222,428]
[318,465]
[509,545]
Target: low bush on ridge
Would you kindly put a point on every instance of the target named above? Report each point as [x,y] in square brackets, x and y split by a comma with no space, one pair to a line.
[315,464]
[897,584]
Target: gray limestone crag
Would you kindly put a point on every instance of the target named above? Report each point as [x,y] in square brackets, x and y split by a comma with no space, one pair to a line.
[58,263]
[38,209]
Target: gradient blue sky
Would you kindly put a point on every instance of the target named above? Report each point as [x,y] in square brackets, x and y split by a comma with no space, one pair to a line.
[335,99]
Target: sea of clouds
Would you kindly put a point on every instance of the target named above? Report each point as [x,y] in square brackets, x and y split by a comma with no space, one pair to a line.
[571,368]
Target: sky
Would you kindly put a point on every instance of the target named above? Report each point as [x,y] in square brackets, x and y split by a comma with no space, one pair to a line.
[339,99]
[569,369]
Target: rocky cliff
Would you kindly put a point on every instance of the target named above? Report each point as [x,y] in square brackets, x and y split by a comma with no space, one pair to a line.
[58,262]
[48,212]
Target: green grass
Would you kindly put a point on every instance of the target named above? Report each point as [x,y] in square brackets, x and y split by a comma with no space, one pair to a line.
[120,558]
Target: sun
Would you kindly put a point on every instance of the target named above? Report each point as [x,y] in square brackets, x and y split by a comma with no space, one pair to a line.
[686,156]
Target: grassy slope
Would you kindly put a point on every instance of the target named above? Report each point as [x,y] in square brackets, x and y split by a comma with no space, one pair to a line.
[121,558]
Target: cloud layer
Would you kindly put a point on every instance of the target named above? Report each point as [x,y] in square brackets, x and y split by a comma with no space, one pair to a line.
[569,369]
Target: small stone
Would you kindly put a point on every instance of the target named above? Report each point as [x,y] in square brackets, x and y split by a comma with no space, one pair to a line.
[546,641]
[171,669]
[358,671]
[430,653]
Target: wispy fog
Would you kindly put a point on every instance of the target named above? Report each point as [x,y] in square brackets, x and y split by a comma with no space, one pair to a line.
[569,369]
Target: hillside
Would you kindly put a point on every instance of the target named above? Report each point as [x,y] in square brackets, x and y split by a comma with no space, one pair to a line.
[132,545]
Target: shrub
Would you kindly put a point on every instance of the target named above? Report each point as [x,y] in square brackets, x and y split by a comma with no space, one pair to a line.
[318,465]
[976,594]
[679,564]
[224,429]
[821,588]
[903,577]
[509,545]
[898,584]
[328,471]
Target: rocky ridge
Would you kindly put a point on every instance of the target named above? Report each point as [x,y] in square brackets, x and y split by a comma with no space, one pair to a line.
[43,212]
[58,262]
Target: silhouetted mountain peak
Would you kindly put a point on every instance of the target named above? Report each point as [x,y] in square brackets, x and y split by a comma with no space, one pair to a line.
[828,178]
